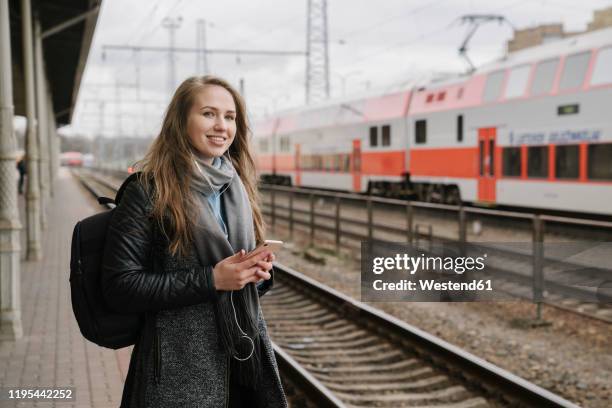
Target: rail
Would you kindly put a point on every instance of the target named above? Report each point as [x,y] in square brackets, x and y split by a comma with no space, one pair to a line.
[452,358]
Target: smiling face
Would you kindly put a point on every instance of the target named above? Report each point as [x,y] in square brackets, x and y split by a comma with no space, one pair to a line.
[211,122]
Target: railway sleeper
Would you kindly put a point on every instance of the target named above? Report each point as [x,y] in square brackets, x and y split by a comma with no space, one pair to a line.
[454,393]
[373,378]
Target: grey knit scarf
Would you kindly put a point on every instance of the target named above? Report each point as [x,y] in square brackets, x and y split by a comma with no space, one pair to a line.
[212,246]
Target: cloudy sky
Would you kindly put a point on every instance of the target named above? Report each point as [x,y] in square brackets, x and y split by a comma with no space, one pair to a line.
[374,45]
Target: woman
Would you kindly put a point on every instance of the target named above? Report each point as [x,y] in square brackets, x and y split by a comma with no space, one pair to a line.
[175,252]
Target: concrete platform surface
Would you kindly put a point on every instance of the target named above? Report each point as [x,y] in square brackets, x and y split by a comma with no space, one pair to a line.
[52,352]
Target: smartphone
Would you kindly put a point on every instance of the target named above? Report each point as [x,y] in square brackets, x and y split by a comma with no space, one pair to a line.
[268,245]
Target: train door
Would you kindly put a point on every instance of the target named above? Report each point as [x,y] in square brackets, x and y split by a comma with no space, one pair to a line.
[486,164]
[298,170]
[356,165]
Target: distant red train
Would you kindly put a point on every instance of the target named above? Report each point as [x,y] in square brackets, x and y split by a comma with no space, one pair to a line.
[72,159]
[533,129]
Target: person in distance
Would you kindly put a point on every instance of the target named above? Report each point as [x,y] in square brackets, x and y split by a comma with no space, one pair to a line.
[176,251]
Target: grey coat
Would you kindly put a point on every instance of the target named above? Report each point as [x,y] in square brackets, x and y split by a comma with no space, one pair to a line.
[177,361]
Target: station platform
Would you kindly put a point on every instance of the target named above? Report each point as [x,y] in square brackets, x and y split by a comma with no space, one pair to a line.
[52,352]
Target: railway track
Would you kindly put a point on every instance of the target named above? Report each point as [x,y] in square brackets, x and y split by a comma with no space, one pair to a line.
[339,352]
[367,358]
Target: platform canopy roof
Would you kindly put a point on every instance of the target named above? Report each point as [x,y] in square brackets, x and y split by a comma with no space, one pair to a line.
[67,27]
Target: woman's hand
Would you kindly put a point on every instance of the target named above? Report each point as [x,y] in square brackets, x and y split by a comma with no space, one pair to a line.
[233,273]
[265,274]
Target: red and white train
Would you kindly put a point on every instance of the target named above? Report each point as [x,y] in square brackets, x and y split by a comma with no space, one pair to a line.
[533,129]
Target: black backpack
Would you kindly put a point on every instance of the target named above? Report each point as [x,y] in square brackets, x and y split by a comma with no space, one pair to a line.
[98,323]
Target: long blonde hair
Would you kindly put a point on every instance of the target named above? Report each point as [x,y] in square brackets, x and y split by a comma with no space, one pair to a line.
[168,165]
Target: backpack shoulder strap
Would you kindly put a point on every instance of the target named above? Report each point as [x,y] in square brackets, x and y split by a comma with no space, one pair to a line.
[125,183]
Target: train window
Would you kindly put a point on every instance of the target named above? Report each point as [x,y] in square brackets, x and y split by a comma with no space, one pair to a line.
[566,162]
[517,81]
[493,86]
[430,98]
[284,144]
[537,161]
[318,162]
[420,131]
[602,73]
[263,145]
[460,128]
[386,135]
[511,161]
[600,165]
[373,136]
[574,70]
[544,76]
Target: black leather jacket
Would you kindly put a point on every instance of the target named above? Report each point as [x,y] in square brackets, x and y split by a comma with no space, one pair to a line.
[133,281]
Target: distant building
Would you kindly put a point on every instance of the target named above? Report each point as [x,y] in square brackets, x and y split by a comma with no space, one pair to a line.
[601,19]
[544,33]
[533,36]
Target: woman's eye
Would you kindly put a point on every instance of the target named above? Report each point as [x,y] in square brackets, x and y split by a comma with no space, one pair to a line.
[230,118]
[209,114]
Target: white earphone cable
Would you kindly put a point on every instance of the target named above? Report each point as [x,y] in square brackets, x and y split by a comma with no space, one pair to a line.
[241,331]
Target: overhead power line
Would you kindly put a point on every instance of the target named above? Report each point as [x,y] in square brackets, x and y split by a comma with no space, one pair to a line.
[206,51]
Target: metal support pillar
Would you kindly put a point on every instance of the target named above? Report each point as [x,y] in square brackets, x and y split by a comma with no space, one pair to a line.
[291,215]
[53,144]
[317,54]
[337,223]
[370,218]
[409,221]
[10,249]
[41,112]
[273,207]
[462,230]
[34,249]
[312,219]
[171,24]
[201,58]
[538,264]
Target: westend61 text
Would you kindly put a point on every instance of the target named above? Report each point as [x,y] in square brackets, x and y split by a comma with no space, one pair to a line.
[413,263]
[429,284]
